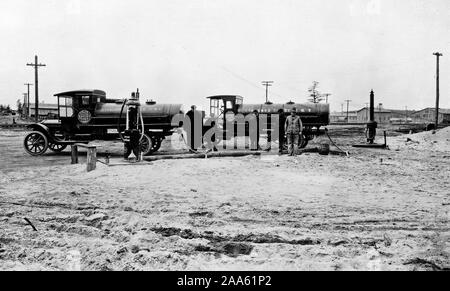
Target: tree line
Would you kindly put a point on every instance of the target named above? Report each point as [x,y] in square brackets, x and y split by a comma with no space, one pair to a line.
[315,96]
[8,110]
[5,108]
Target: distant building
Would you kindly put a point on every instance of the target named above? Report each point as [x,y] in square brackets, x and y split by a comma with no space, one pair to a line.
[383,115]
[46,111]
[428,115]
[341,117]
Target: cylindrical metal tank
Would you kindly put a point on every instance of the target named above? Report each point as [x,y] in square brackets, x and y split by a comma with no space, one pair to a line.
[112,110]
[311,113]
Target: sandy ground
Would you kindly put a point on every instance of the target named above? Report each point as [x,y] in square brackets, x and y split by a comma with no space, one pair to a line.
[373,210]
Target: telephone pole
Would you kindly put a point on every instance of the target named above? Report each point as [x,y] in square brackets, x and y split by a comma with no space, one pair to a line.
[437,54]
[267,84]
[348,102]
[326,96]
[28,98]
[36,66]
[24,107]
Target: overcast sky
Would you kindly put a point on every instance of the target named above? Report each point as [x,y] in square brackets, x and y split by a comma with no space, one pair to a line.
[184,50]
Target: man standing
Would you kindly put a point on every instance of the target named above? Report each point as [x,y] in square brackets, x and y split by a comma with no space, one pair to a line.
[293,128]
[209,133]
[253,127]
[281,132]
[194,133]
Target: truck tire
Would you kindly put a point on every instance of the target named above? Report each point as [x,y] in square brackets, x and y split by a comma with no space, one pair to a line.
[35,143]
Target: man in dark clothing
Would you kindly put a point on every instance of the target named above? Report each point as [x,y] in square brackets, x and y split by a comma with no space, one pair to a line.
[254,131]
[194,132]
[293,128]
[210,138]
[281,132]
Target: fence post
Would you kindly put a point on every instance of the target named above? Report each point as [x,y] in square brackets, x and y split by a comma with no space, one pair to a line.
[74,149]
[91,158]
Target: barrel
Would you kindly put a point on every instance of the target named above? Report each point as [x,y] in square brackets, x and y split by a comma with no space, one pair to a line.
[324,149]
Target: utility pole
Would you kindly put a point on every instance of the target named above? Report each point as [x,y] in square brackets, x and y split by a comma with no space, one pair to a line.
[267,84]
[24,107]
[326,96]
[28,98]
[348,102]
[437,54]
[36,66]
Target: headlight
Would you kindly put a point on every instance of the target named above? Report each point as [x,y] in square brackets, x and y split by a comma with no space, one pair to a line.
[84,116]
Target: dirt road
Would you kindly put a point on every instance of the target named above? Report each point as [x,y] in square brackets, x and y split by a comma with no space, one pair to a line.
[374,210]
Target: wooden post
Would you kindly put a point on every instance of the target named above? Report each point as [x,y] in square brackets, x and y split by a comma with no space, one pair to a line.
[91,158]
[437,90]
[74,149]
[36,90]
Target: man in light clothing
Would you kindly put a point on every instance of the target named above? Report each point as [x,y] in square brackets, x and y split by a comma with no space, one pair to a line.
[293,127]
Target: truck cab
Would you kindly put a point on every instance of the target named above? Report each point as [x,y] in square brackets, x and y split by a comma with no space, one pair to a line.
[223,104]
[77,108]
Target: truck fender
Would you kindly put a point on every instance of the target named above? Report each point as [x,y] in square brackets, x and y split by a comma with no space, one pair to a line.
[41,128]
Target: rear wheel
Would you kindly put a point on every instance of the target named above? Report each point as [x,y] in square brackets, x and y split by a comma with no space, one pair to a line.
[156,143]
[146,145]
[35,143]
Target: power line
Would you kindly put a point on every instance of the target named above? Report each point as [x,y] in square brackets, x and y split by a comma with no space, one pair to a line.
[36,66]
[237,76]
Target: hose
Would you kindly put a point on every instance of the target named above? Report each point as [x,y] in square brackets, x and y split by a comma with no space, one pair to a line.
[333,143]
[142,122]
[120,117]
[366,133]
[180,132]
[118,120]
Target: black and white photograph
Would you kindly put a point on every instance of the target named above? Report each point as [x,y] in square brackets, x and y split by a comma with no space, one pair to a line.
[239,137]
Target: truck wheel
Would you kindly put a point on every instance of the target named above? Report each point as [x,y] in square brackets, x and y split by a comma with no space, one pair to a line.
[156,143]
[146,145]
[35,143]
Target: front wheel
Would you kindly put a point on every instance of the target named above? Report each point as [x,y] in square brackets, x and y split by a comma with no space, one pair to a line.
[35,143]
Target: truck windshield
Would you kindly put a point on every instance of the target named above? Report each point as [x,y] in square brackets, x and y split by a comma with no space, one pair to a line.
[65,106]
